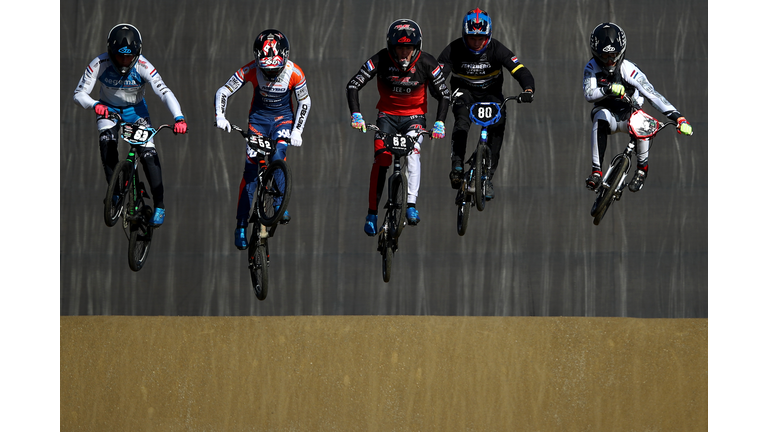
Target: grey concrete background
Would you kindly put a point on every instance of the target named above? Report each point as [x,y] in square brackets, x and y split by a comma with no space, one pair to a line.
[533,251]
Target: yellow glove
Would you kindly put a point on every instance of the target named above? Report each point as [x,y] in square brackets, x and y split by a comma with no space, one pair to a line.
[683,127]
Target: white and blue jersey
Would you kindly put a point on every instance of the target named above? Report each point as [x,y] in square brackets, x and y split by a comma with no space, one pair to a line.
[124,95]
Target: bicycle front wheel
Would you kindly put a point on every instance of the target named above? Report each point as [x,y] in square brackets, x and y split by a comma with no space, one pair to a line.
[605,196]
[273,193]
[258,266]
[115,199]
[482,173]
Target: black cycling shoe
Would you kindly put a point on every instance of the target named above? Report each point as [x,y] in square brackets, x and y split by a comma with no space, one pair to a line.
[489,195]
[457,174]
[637,181]
[594,180]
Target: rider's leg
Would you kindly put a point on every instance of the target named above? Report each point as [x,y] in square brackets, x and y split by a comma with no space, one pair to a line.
[460,132]
[154,173]
[108,150]
[642,166]
[378,179]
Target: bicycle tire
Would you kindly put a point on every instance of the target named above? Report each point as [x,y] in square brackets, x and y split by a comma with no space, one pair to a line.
[139,242]
[258,267]
[482,171]
[399,190]
[270,193]
[118,185]
[599,216]
[462,219]
[387,256]
[605,196]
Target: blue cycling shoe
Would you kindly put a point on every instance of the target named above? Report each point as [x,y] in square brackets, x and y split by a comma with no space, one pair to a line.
[286,218]
[159,217]
[241,241]
[413,216]
[371,221]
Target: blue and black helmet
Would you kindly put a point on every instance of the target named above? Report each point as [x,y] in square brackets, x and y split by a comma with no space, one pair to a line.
[476,22]
[124,39]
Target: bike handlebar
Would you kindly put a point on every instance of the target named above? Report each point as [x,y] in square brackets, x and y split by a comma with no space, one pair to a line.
[375,128]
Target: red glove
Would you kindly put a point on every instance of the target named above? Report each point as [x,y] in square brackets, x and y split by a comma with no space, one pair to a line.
[180,127]
[101,110]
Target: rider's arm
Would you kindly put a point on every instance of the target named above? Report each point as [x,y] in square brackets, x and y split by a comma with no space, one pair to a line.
[634,76]
[299,84]
[366,73]
[518,71]
[149,73]
[592,92]
[235,83]
[87,82]
[438,87]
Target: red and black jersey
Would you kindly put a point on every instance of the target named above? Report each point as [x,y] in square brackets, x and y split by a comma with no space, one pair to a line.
[482,72]
[402,93]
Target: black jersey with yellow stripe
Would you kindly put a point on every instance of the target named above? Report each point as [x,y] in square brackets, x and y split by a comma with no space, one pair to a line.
[483,71]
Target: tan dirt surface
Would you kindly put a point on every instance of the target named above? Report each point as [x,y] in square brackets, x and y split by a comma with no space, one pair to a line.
[383,373]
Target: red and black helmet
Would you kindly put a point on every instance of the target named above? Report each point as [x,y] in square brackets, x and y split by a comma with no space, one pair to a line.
[404,32]
[271,49]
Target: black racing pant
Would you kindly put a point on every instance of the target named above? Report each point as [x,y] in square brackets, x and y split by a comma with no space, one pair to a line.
[462,124]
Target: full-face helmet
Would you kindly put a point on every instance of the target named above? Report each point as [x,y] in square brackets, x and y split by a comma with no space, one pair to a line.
[476,22]
[271,49]
[404,32]
[608,44]
[124,47]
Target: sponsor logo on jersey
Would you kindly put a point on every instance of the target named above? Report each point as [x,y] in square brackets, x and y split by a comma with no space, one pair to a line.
[370,66]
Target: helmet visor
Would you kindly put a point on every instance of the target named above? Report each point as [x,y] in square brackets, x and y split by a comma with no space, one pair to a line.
[610,58]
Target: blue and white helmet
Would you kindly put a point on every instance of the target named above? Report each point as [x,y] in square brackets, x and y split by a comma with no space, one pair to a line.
[476,22]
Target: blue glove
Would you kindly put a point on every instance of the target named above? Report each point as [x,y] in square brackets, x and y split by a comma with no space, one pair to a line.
[358,122]
[438,130]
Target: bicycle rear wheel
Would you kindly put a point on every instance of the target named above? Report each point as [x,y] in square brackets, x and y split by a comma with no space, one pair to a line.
[482,172]
[258,266]
[605,196]
[115,199]
[140,240]
[399,197]
[273,193]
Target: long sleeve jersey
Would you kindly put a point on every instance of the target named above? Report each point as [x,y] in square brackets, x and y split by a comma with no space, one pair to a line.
[271,98]
[636,85]
[401,93]
[481,73]
[119,91]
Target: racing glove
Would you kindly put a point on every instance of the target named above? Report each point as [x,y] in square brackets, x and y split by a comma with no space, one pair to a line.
[438,130]
[296,138]
[101,110]
[222,123]
[683,127]
[525,97]
[180,127]
[358,122]
[614,90]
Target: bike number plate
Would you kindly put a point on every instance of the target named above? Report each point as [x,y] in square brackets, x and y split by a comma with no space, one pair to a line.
[260,144]
[137,134]
[642,125]
[399,144]
[485,113]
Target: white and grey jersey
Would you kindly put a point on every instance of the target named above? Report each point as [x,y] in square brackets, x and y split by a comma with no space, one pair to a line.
[636,85]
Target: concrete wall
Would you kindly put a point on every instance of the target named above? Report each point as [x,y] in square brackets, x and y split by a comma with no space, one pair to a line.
[534,251]
[383,374]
